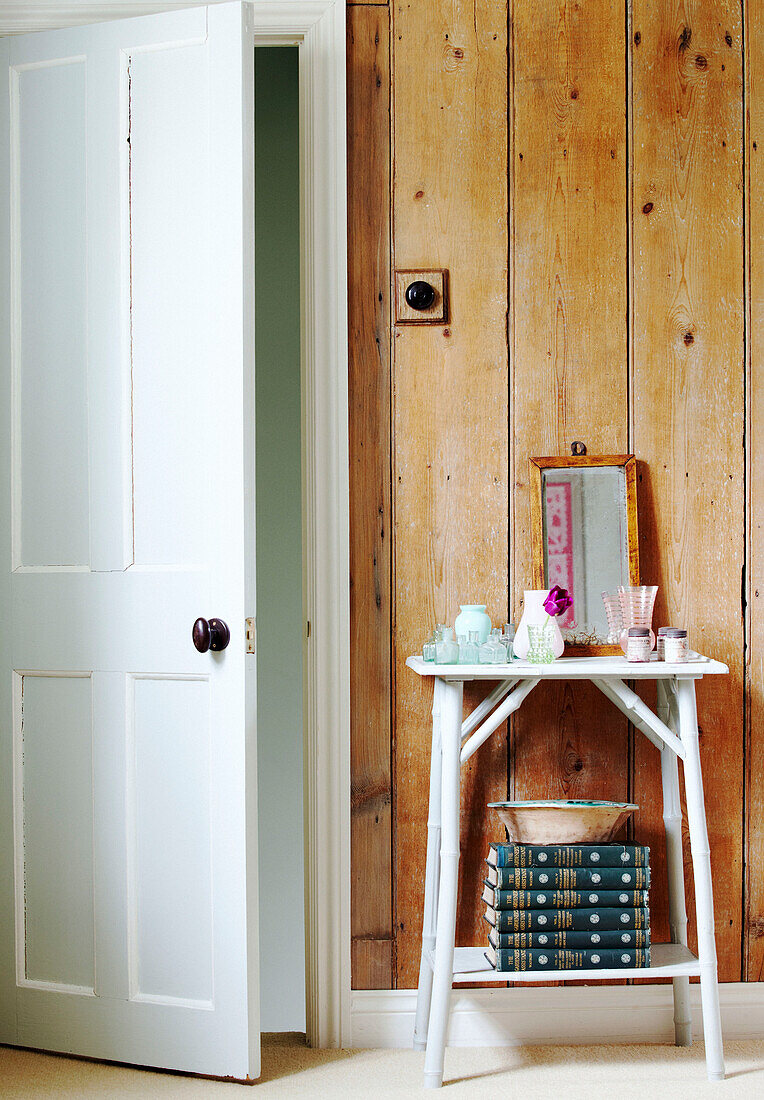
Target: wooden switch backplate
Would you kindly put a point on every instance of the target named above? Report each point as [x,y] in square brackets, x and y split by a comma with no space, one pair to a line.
[437,314]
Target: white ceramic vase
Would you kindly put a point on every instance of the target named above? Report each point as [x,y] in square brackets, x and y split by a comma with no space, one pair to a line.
[534,612]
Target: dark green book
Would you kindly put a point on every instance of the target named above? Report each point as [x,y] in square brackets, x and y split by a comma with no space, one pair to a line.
[549,920]
[569,878]
[635,937]
[568,855]
[591,958]
[564,899]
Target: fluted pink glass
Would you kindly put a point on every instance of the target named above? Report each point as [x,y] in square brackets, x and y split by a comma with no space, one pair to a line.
[637,604]
[612,602]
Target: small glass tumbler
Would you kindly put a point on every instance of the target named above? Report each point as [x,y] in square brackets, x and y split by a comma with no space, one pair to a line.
[540,650]
[637,602]
[612,602]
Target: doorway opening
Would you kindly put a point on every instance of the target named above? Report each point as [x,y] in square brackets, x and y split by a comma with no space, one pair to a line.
[279,539]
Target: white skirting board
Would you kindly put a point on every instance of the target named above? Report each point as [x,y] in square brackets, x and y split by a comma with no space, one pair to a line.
[573,1014]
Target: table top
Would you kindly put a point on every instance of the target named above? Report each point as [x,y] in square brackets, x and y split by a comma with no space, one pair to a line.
[574,668]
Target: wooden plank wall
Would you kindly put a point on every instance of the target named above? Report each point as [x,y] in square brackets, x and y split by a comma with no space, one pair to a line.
[753,898]
[688,395]
[371,691]
[568,334]
[450,406]
[591,177]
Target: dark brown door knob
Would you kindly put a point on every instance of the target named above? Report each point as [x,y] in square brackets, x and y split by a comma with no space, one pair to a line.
[420,295]
[213,634]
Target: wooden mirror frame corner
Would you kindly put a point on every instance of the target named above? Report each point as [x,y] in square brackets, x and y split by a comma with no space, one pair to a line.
[537,465]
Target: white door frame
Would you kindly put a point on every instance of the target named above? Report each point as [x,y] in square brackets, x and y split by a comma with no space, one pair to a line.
[317,27]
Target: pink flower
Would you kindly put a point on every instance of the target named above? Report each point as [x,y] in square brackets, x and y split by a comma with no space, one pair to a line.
[558,601]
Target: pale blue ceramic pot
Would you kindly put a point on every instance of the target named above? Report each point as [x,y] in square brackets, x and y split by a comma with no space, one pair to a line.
[473,617]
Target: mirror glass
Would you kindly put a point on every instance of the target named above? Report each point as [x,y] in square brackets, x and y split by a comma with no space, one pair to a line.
[586,543]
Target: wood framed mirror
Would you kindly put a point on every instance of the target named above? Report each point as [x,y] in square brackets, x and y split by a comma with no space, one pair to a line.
[584,538]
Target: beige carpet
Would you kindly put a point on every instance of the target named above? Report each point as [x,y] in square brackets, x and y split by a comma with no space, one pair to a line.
[291,1070]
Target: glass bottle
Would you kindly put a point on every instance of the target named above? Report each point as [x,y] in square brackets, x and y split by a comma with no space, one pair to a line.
[447,650]
[429,649]
[468,653]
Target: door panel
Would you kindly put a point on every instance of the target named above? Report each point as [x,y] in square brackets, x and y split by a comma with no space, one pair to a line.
[168,96]
[54,856]
[170,882]
[48,146]
[124,852]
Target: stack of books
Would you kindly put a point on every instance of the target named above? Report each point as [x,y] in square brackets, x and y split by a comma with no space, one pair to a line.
[567,907]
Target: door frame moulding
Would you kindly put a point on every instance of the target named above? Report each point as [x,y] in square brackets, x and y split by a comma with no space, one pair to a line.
[317,28]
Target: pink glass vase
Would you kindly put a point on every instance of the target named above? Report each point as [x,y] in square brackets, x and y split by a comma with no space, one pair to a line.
[637,604]
[612,602]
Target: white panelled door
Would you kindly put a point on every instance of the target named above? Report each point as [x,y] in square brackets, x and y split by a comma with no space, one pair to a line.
[127,826]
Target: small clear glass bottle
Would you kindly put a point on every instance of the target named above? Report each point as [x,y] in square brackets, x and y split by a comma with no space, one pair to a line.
[507,639]
[429,649]
[447,650]
[468,653]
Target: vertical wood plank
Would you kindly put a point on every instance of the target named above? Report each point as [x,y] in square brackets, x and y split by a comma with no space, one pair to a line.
[688,397]
[368,74]
[754,892]
[450,408]
[568,333]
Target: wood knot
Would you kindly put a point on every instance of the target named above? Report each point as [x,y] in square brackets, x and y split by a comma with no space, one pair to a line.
[574,93]
[419,195]
[446,331]
[684,39]
[728,38]
[701,62]
[688,338]
[637,38]
[453,57]
[647,208]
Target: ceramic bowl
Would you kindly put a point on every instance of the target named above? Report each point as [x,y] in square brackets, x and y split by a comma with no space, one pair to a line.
[562,821]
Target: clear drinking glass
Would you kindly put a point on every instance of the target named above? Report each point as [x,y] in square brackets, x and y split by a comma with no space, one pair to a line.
[637,602]
[540,650]
[612,602]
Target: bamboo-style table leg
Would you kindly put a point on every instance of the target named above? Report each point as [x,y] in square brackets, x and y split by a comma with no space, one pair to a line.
[451,693]
[431,881]
[701,866]
[672,820]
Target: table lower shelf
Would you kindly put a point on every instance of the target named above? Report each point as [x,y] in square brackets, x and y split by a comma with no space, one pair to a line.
[669,960]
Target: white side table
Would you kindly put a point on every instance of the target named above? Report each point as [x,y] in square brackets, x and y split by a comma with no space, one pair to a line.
[673,731]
